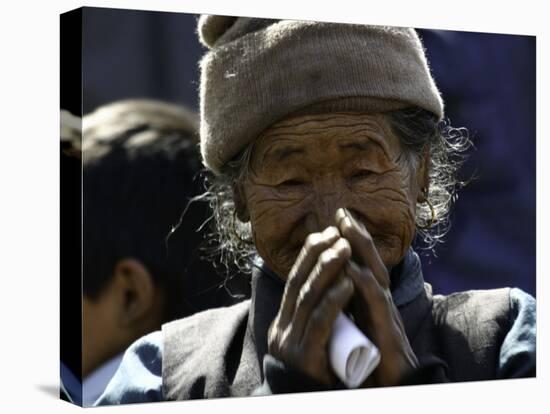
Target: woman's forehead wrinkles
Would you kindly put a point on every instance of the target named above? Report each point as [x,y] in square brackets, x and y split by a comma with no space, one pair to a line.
[366,144]
[312,121]
[277,149]
[283,149]
[296,136]
[281,153]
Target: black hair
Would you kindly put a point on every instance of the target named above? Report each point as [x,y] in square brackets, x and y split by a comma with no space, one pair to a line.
[137,182]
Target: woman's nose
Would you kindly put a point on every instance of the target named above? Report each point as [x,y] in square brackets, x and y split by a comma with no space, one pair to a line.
[323,210]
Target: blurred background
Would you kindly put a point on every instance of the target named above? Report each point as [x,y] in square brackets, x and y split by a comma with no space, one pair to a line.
[488,84]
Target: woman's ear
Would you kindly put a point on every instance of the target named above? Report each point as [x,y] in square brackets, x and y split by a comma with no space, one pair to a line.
[423,174]
[135,291]
[241,207]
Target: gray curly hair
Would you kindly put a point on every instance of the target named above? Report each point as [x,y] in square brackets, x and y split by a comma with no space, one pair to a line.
[231,241]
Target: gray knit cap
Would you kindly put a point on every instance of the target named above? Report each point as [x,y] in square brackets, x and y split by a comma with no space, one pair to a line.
[258,71]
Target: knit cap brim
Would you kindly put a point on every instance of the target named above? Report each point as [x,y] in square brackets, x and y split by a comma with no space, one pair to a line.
[259,71]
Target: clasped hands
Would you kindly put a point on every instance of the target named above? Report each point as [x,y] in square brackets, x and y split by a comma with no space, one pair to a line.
[339,270]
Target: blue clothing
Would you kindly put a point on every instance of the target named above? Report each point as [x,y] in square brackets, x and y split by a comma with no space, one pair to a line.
[95,383]
[139,378]
[86,394]
[71,388]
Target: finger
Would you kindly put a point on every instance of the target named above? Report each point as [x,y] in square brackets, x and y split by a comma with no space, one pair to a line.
[374,297]
[397,318]
[381,320]
[314,245]
[329,266]
[319,326]
[362,245]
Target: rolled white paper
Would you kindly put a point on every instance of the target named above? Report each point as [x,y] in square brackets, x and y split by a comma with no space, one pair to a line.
[352,355]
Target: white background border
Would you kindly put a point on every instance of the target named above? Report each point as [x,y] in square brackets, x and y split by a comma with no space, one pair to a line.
[29,203]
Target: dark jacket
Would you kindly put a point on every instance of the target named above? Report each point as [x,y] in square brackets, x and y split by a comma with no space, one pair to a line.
[221,352]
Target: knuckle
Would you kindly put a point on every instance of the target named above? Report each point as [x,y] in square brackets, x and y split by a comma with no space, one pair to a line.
[330,233]
[327,258]
[316,241]
[342,249]
[311,241]
[346,225]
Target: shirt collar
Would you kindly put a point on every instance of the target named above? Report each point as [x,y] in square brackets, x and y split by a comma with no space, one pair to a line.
[95,383]
[407,280]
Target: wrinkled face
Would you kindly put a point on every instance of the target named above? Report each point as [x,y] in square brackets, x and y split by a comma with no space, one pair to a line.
[305,168]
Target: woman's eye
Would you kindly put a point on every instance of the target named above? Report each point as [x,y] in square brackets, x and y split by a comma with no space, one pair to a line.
[292,183]
[361,174]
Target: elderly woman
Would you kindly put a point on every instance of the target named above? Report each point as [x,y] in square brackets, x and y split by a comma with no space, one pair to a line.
[329,157]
